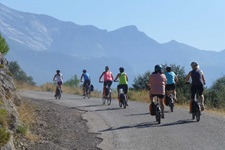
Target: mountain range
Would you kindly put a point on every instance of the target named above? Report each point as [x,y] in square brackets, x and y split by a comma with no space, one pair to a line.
[42,44]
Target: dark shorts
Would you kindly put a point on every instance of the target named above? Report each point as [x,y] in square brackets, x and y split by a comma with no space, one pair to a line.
[158,95]
[170,87]
[59,83]
[107,83]
[86,82]
[196,89]
[124,87]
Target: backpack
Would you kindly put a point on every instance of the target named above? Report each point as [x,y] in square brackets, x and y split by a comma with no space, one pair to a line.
[92,88]
[167,100]
[152,109]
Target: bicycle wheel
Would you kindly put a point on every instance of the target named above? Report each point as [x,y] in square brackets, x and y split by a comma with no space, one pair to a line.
[124,104]
[198,113]
[171,106]
[109,99]
[158,116]
[103,100]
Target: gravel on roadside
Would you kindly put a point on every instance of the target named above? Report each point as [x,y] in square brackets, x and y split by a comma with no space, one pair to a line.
[59,128]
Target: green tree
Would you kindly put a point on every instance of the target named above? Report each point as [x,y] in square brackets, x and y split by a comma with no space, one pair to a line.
[141,81]
[19,74]
[73,82]
[4,48]
[215,95]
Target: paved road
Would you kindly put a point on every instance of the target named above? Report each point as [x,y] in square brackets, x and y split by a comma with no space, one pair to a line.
[134,129]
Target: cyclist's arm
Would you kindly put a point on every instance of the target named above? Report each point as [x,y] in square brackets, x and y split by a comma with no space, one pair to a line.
[54,77]
[127,77]
[203,78]
[81,77]
[116,77]
[101,76]
[112,76]
[176,79]
[188,77]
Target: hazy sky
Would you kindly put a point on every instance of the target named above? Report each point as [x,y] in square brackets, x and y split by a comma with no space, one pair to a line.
[198,23]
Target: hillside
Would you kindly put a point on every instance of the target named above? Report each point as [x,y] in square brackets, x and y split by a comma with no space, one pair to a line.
[42,44]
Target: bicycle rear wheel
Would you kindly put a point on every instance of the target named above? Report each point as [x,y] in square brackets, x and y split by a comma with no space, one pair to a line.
[103,100]
[109,99]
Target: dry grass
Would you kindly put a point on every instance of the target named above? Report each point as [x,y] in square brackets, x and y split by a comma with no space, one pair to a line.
[27,116]
[141,96]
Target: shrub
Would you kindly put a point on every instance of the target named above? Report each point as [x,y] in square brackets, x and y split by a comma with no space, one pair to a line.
[22,130]
[1,66]
[4,136]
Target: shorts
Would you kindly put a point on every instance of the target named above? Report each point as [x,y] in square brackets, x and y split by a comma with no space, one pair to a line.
[59,83]
[124,87]
[107,83]
[86,82]
[196,89]
[158,95]
[170,87]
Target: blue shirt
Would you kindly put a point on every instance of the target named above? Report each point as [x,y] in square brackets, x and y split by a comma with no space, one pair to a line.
[86,76]
[170,76]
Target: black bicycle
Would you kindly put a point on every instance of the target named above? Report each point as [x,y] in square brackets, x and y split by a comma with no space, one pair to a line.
[122,99]
[169,100]
[196,108]
[107,97]
[58,92]
[87,91]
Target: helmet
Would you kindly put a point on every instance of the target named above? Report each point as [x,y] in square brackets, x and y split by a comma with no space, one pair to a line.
[106,68]
[168,68]
[84,71]
[158,68]
[58,71]
[194,64]
[121,69]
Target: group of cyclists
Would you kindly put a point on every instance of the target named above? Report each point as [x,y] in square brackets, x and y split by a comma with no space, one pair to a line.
[159,83]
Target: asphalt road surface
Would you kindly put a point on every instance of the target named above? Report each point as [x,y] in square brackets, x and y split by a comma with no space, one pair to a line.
[134,128]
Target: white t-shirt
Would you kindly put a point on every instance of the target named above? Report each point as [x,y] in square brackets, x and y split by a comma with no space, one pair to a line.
[58,78]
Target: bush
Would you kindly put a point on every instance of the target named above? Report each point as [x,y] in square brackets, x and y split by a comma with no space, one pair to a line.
[4,136]
[4,48]
[22,130]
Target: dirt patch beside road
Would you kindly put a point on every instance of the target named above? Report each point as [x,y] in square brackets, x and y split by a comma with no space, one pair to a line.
[59,128]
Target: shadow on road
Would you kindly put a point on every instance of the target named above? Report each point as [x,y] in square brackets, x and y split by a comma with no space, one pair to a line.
[179,122]
[140,125]
[107,109]
[138,114]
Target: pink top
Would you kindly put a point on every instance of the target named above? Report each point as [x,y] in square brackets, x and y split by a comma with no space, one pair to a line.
[157,84]
[108,76]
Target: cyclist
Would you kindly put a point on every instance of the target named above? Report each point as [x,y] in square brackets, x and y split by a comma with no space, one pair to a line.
[157,82]
[108,78]
[87,80]
[197,84]
[171,81]
[123,82]
[58,77]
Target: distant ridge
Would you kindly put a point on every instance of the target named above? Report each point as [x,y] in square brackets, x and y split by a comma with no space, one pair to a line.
[41,44]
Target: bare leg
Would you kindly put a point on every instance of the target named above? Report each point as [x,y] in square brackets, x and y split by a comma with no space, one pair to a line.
[162,106]
[202,102]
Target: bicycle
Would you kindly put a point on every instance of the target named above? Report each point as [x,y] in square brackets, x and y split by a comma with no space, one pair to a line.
[169,100]
[122,99]
[156,110]
[107,97]
[58,92]
[196,108]
[87,91]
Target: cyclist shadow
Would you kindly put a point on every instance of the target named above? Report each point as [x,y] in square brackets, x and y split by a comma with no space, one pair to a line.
[138,114]
[179,122]
[107,109]
[90,106]
[140,125]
